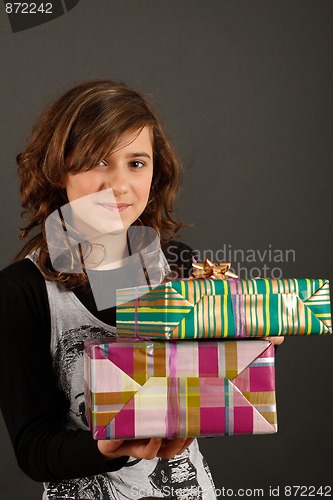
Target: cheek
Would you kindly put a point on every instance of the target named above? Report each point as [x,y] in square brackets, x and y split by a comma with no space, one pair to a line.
[80,185]
[143,188]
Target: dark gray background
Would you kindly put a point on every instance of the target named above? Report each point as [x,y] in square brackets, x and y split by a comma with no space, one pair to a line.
[245,89]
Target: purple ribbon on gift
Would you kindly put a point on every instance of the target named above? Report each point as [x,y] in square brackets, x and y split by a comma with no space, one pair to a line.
[238,308]
[172,416]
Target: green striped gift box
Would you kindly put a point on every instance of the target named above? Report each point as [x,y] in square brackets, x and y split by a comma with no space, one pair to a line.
[210,308]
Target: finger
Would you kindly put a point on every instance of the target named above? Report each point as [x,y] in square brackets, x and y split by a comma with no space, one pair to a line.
[188,442]
[107,447]
[151,449]
[276,340]
[171,448]
[142,448]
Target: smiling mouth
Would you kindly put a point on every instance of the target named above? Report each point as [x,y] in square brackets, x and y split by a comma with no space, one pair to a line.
[114,207]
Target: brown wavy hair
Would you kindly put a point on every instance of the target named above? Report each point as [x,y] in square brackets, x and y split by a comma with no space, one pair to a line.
[86,122]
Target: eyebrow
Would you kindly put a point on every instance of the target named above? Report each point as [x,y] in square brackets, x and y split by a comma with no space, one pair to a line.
[135,155]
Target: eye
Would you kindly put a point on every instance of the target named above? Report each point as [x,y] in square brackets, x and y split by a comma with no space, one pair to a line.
[102,163]
[136,164]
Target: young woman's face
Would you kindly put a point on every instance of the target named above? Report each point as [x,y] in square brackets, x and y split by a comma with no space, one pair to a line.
[115,192]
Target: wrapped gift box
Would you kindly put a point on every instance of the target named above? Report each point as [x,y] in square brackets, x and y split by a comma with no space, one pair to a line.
[210,308]
[139,389]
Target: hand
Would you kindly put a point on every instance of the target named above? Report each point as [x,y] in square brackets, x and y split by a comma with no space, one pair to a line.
[276,340]
[173,446]
[143,448]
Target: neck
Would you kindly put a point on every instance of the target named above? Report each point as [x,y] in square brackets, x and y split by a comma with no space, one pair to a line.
[106,251]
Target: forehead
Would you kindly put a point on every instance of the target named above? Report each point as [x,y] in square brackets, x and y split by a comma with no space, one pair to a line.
[131,139]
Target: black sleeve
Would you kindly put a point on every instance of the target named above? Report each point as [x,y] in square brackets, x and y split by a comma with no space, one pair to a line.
[33,408]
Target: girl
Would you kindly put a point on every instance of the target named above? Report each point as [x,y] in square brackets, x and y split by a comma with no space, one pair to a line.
[97,177]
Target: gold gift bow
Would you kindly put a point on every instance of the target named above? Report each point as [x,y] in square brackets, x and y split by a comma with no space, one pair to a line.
[209,269]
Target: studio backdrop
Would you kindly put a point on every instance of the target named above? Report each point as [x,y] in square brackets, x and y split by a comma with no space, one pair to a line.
[245,91]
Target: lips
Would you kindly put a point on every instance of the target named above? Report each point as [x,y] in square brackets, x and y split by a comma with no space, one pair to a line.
[114,207]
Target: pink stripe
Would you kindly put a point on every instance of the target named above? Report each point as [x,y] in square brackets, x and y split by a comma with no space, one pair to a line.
[99,432]
[235,286]
[124,422]
[243,420]
[269,353]
[123,358]
[208,360]
[212,421]
[262,378]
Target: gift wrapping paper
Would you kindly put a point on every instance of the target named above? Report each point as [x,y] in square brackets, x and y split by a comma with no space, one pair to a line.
[210,308]
[142,389]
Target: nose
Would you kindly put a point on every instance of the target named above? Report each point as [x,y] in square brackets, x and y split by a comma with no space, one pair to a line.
[117,180]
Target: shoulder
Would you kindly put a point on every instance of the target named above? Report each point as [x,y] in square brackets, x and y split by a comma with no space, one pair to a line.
[180,257]
[23,273]
[22,285]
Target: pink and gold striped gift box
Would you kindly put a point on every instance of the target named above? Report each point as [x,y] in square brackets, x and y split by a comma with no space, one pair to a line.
[178,389]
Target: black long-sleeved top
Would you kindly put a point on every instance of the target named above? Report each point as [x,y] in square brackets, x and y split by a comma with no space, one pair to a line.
[34,409]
